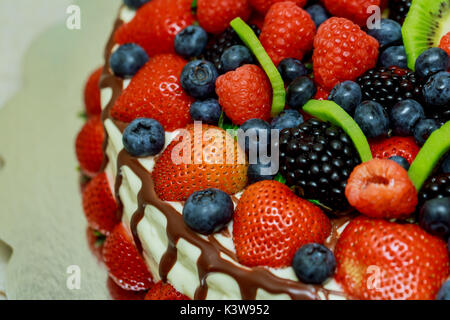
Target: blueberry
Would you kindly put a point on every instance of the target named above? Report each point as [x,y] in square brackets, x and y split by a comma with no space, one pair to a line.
[423,129]
[144,137]
[401,161]
[437,89]
[300,91]
[373,119]
[191,41]
[208,211]
[291,68]
[318,14]
[259,172]
[127,60]
[394,56]
[444,292]
[313,263]
[347,95]
[135,4]
[253,141]
[431,61]
[198,78]
[434,217]
[389,33]
[235,57]
[445,166]
[207,111]
[405,115]
[288,119]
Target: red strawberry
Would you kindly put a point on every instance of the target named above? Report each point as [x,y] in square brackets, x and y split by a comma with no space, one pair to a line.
[210,167]
[92,93]
[155,92]
[164,291]
[381,189]
[95,243]
[156,24]
[288,32]
[382,260]
[322,94]
[99,205]
[89,146]
[263,6]
[117,293]
[405,147]
[245,94]
[125,266]
[215,15]
[271,223]
[445,43]
[342,52]
[355,10]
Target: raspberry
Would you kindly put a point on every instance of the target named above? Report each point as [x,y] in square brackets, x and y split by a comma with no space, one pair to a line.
[445,43]
[263,6]
[355,10]
[215,15]
[154,92]
[92,93]
[245,94]
[381,189]
[156,24]
[288,32]
[342,52]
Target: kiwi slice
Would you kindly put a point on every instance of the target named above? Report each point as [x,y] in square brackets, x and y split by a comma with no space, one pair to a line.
[426,23]
[331,112]
[252,42]
[437,145]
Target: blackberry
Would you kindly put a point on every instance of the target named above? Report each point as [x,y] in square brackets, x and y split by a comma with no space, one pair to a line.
[437,186]
[387,86]
[217,46]
[317,158]
[398,9]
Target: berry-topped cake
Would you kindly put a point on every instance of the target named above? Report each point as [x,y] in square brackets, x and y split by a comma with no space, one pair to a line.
[269,149]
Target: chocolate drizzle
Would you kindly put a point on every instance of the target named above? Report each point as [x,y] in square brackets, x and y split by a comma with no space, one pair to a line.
[211,258]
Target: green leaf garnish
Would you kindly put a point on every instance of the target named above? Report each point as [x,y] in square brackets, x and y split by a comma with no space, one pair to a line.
[252,42]
[280,178]
[331,112]
[437,145]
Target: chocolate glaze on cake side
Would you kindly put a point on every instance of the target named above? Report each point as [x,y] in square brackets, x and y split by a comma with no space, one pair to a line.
[210,260]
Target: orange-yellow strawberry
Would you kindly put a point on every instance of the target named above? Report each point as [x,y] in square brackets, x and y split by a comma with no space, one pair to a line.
[380,260]
[124,263]
[156,24]
[271,223]
[92,94]
[89,146]
[99,205]
[164,291]
[155,92]
[194,161]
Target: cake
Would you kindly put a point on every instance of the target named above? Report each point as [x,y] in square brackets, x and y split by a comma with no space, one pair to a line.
[328,189]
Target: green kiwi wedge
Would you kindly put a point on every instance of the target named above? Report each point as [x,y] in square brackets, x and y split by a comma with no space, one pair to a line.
[426,23]
[331,112]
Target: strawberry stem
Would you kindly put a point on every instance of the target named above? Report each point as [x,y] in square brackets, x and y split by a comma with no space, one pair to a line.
[252,42]
[437,145]
[331,112]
